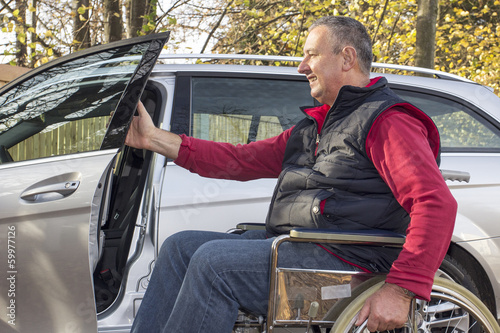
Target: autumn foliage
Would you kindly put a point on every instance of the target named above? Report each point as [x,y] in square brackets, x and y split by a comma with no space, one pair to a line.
[467,39]
[467,36]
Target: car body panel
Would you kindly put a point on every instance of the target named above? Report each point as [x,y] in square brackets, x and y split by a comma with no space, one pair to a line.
[487,252]
[189,201]
[49,202]
[478,200]
[208,204]
[46,202]
[51,289]
[479,166]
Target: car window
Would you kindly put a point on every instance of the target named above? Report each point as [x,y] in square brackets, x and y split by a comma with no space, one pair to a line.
[65,109]
[241,110]
[460,127]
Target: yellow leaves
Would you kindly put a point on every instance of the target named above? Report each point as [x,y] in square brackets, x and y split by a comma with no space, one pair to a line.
[464,43]
[480,31]
[21,37]
[469,44]
[148,27]
[485,10]
[353,7]
[43,59]
[9,27]
[49,34]
[81,11]
[255,13]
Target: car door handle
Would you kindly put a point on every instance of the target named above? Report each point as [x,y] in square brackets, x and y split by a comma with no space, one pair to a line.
[62,189]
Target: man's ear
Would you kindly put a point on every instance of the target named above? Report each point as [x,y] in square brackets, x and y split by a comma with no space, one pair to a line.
[350,57]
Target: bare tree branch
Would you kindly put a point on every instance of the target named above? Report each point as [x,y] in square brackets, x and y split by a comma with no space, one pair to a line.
[216,26]
[380,21]
[6,6]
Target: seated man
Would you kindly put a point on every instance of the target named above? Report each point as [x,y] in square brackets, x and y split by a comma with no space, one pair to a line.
[364,160]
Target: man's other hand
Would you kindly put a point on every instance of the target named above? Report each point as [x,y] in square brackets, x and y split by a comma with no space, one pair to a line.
[386,309]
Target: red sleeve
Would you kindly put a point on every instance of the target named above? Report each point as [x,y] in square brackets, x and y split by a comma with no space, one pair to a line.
[260,159]
[403,148]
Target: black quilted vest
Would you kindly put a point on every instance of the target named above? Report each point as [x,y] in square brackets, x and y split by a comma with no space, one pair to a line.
[333,166]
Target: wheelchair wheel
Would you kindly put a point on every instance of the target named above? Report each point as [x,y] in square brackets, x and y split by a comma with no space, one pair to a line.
[452,309]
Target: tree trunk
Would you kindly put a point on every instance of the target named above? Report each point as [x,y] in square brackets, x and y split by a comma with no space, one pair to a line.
[426,33]
[136,9]
[81,27]
[21,34]
[112,21]
[33,38]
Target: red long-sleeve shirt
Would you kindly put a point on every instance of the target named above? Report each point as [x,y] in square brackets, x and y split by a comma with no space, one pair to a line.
[402,146]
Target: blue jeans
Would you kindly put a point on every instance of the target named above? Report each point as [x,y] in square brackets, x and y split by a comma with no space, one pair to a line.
[201,279]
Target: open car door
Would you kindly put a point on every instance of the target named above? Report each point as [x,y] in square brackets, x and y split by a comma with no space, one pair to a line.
[54,147]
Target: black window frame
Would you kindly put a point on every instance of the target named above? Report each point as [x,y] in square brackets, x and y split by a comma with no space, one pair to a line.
[181,120]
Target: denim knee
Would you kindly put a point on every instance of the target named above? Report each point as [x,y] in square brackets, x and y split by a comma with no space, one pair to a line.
[203,258]
[172,241]
[173,246]
[214,256]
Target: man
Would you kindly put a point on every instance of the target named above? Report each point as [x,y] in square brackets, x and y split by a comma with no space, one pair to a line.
[363,160]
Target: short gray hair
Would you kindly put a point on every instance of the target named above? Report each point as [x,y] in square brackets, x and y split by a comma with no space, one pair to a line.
[346,31]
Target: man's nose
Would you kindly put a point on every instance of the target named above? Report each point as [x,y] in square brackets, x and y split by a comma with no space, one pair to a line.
[303,67]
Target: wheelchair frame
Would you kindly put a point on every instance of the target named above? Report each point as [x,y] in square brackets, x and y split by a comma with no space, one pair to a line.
[377,238]
[343,314]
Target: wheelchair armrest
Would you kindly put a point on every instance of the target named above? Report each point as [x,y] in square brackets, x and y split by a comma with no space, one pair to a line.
[368,237]
[251,226]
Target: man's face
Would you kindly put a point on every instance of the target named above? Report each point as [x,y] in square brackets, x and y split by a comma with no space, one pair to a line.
[321,66]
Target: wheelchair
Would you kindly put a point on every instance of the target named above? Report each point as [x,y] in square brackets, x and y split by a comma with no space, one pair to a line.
[304,300]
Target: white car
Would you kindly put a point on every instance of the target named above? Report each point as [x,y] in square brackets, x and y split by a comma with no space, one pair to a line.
[82,216]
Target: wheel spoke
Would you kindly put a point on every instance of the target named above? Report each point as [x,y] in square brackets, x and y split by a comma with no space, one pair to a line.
[452,309]
[445,316]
